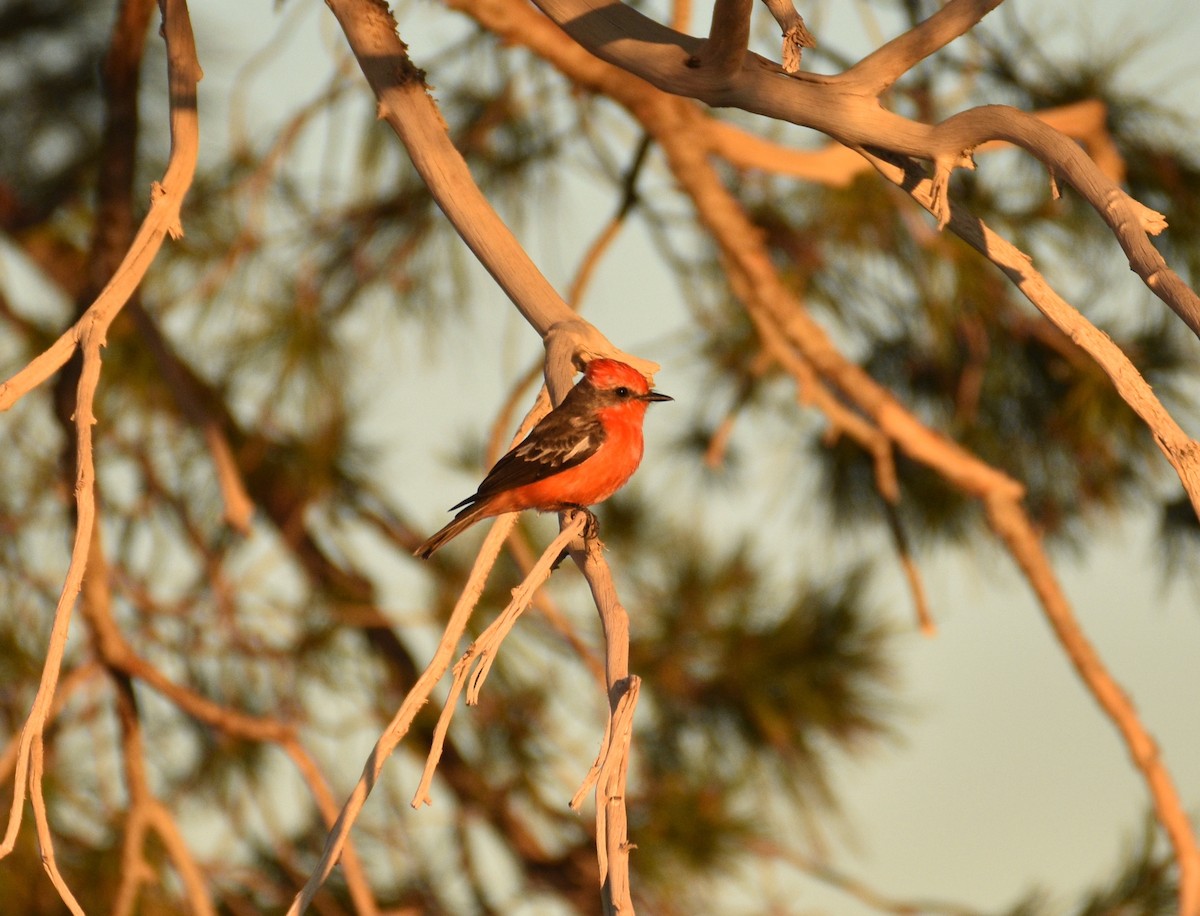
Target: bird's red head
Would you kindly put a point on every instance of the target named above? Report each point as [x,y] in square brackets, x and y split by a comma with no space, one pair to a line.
[607,374]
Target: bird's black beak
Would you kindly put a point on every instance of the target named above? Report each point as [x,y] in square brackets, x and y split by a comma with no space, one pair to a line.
[656,396]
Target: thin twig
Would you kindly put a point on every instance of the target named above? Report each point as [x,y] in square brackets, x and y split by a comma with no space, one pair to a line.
[419,695]
[523,557]
[612,767]
[912,572]
[44,833]
[879,69]
[482,652]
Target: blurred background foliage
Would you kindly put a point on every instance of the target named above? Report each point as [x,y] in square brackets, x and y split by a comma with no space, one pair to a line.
[758,677]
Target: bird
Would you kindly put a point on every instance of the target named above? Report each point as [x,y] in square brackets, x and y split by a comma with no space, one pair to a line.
[578,455]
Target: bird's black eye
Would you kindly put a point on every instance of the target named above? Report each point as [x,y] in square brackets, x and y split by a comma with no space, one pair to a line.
[622,392]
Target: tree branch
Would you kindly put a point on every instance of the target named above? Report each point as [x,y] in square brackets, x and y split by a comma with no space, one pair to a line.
[612,766]
[88,334]
[784,325]
[728,38]
[404,102]
[836,166]
[419,695]
[838,107]
[1180,449]
[879,69]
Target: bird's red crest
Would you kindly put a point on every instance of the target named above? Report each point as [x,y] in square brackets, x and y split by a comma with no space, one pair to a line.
[611,373]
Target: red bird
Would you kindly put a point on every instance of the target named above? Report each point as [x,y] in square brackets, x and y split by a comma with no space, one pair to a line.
[577,455]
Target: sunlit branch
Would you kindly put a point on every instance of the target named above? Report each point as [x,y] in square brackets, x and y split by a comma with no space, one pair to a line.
[1019,535]
[1181,450]
[88,335]
[728,38]
[839,107]
[612,765]
[879,69]
[472,668]
[418,695]
[524,558]
[836,165]
[407,106]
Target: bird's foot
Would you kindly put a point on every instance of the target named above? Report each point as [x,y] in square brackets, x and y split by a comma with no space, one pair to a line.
[590,530]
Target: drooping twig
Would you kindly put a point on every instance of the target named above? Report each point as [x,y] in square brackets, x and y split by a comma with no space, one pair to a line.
[418,696]
[523,556]
[88,335]
[912,573]
[471,670]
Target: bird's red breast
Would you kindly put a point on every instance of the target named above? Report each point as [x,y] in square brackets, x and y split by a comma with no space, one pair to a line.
[577,455]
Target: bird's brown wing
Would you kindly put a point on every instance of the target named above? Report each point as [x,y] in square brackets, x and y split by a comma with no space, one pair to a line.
[560,441]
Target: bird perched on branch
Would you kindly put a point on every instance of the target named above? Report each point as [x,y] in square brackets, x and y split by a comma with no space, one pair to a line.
[577,455]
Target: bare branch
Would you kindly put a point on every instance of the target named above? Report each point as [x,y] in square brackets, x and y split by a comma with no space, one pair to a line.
[405,103]
[1181,450]
[878,70]
[183,72]
[838,107]
[912,572]
[728,38]
[836,165]
[482,652]
[42,820]
[419,695]
[796,36]
[1012,525]
[612,766]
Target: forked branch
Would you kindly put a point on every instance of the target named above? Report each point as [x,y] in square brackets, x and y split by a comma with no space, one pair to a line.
[405,103]
[841,108]
[88,335]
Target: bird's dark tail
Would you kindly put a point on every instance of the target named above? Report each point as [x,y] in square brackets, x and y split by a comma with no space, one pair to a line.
[461,523]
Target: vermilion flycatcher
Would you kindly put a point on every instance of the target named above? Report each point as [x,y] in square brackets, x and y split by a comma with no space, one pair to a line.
[577,455]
